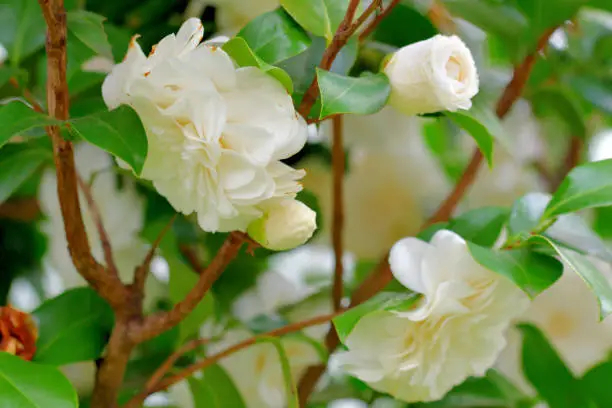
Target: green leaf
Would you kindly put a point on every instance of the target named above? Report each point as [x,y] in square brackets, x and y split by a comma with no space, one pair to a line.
[389,301]
[320,17]
[404,26]
[586,186]
[594,90]
[119,132]
[362,96]
[275,36]
[16,117]
[558,101]
[526,214]
[484,127]
[548,374]
[596,383]
[481,226]
[72,327]
[530,271]
[24,384]
[594,279]
[239,50]
[18,162]
[215,389]
[88,27]
[290,386]
[22,28]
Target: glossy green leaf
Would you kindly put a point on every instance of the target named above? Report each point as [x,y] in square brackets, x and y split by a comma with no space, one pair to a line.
[530,271]
[594,90]
[72,327]
[88,27]
[275,36]
[22,28]
[483,126]
[215,389]
[362,96]
[526,213]
[388,301]
[119,132]
[16,117]
[239,50]
[595,280]
[586,186]
[24,384]
[320,17]
[290,386]
[559,102]
[404,26]
[548,374]
[481,226]
[596,383]
[18,162]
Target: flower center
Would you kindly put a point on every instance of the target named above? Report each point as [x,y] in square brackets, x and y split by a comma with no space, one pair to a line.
[454,69]
[560,325]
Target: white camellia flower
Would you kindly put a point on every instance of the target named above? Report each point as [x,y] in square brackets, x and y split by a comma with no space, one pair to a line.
[285,224]
[3,54]
[455,331]
[216,134]
[122,213]
[432,75]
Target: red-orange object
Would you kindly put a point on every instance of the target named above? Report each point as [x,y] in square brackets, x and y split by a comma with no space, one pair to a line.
[18,333]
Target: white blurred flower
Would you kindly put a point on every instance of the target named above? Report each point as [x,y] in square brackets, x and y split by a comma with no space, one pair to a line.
[292,277]
[568,315]
[3,54]
[122,213]
[256,370]
[285,224]
[392,184]
[81,375]
[456,330]
[432,75]
[232,15]
[216,133]
[98,64]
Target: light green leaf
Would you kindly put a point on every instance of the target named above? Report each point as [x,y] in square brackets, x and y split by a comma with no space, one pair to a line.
[275,36]
[548,374]
[530,271]
[320,17]
[595,280]
[362,96]
[290,386]
[88,27]
[119,132]
[22,28]
[24,384]
[239,50]
[17,163]
[215,389]
[526,214]
[559,102]
[388,301]
[16,117]
[586,186]
[484,127]
[481,226]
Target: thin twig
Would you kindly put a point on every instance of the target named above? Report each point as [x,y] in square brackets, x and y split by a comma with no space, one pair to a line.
[27,95]
[338,212]
[192,259]
[140,275]
[571,160]
[380,17]
[97,218]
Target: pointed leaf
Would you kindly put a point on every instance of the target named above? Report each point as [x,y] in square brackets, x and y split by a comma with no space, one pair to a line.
[17,163]
[320,17]
[16,118]
[215,389]
[481,226]
[88,27]
[22,28]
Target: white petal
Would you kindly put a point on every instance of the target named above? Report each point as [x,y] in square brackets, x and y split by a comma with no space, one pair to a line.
[405,259]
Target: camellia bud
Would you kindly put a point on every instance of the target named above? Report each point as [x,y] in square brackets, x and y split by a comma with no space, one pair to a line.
[285,225]
[432,75]
[17,333]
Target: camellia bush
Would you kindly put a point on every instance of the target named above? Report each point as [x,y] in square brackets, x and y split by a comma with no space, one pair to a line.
[305,203]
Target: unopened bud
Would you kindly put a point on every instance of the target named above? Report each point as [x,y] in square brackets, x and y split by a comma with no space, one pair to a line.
[17,333]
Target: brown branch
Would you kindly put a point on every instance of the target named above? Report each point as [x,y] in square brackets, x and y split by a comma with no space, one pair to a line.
[97,218]
[338,212]
[140,275]
[20,209]
[571,160]
[192,258]
[200,365]
[380,17]
[160,322]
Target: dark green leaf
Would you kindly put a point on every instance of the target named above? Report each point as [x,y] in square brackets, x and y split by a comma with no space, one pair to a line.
[16,117]
[215,389]
[586,186]
[88,27]
[29,385]
[239,50]
[560,102]
[18,162]
[481,226]
[548,373]
[275,36]
[320,17]
[594,279]
[22,28]
[72,327]
[119,132]
[362,96]
[530,271]
[389,301]
[596,383]
[595,91]
[404,26]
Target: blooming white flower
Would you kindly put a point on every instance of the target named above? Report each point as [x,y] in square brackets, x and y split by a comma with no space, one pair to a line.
[455,331]
[216,133]
[285,224]
[3,54]
[122,213]
[432,75]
